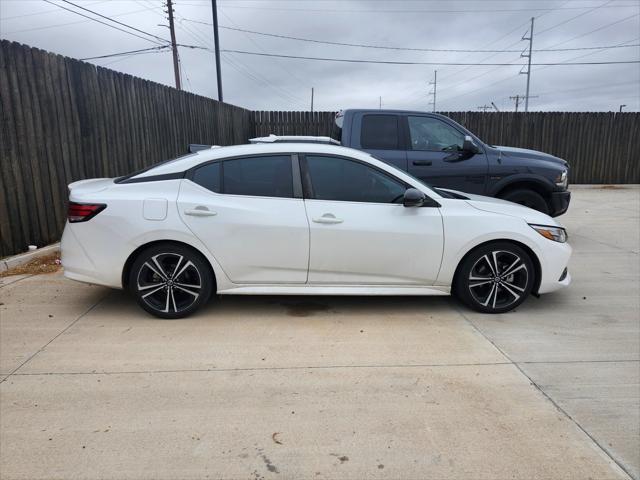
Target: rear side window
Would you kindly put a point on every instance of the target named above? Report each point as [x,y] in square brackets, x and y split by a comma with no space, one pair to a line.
[258,176]
[379,132]
[334,178]
[269,176]
[209,177]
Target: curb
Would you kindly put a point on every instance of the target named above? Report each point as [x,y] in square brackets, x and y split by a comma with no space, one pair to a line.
[24,258]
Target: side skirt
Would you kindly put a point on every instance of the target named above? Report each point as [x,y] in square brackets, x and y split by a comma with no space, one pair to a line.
[334,290]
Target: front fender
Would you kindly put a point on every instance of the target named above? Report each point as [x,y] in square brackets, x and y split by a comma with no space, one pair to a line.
[509,180]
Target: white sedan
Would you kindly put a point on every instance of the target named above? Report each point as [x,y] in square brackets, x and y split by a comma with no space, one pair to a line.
[303,219]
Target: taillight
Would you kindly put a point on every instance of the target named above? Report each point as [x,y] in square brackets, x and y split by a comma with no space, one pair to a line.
[81,212]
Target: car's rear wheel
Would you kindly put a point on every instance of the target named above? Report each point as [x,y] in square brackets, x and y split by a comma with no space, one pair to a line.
[170,281]
[528,198]
[495,278]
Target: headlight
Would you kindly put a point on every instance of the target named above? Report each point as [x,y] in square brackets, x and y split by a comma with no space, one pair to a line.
[561,179]
[557,234]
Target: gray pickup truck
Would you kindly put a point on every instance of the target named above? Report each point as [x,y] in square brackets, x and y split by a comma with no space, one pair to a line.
[444,154]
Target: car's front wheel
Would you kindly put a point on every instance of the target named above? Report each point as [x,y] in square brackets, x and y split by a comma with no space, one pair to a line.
[495,278]
[170,281]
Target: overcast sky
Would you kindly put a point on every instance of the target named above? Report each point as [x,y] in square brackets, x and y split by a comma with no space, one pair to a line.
[259,82]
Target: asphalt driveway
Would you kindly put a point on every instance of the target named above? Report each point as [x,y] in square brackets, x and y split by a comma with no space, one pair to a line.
[281,387]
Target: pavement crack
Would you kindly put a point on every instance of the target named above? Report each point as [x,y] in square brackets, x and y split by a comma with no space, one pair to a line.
[15,281]
[254,369]
[32,356]
[604,450]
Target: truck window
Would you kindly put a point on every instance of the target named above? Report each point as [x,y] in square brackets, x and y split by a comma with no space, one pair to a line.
[379,132]
[428,133]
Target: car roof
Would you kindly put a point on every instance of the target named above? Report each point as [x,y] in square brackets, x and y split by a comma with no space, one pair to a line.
[390,112]
[186,162]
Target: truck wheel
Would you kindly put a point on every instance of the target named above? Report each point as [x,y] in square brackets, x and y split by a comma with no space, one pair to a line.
[528,198]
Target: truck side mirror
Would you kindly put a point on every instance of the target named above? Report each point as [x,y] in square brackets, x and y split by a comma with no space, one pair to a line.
[413,198]
[469,146]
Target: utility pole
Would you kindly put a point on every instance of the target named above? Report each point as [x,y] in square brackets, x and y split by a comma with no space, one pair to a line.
[435,86]
[216,41]
[621,107]
[484,108]
[174,47]
[528,57]
[380,107]
[517,99]
[495,107]
[311,99]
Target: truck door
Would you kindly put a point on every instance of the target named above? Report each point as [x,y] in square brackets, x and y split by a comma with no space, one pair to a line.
[433,155]
[380,135]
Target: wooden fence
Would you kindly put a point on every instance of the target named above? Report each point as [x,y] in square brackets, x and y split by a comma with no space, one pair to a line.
[65,120]
[295,123]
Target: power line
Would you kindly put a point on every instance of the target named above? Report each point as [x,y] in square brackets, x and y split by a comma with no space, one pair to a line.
[596,30]
[246,71]
[384,47]
[141,50]
[611,24]
[100,21]
[259,47]
[56,25]
[126,57]
[573,18]
[390,62]
[43,12]
[116,21]
[593,87]
[494,10]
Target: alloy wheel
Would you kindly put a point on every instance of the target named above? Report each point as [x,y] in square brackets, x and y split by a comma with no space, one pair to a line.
[498,279]
[169,283]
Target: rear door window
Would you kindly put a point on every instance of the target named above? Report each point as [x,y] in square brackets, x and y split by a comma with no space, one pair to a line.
[380,132]
[269,176]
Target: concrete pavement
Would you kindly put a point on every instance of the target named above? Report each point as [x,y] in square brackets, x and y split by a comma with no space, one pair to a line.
[279,387]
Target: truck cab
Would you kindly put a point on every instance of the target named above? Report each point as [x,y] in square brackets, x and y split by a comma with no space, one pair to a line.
[444,154]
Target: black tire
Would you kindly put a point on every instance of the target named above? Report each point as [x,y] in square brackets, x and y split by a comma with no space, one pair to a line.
[528,198]
[170,280]
[480,288]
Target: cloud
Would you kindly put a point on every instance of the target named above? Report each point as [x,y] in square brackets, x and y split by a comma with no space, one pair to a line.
[284,84]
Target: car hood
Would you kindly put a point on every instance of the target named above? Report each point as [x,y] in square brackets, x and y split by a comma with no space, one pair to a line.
[532,154]
[496,205]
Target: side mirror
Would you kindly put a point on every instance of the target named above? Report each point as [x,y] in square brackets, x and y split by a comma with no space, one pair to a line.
[413,198]
[469,146]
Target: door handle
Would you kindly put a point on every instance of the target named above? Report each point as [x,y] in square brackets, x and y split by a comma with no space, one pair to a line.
[423,163]
[200,212]
[328,218]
